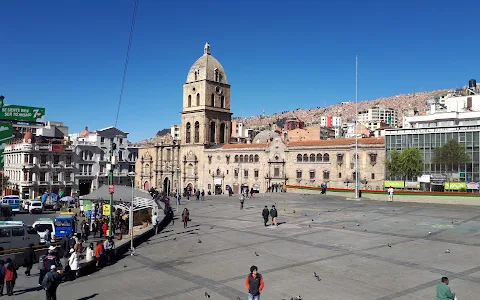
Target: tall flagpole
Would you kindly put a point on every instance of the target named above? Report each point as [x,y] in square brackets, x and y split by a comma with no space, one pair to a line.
[357,173]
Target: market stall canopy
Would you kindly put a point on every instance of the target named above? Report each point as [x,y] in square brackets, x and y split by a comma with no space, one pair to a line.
[141,199]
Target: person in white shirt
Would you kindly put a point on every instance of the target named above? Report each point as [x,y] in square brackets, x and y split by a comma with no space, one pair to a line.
[390,194]
[155,222]
[90,253]
[73,263]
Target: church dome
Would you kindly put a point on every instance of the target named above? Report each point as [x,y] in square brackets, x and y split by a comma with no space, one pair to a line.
[207,67]
[265,136]
[85,132]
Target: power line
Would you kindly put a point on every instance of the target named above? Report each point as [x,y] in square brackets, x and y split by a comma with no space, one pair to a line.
[132,27]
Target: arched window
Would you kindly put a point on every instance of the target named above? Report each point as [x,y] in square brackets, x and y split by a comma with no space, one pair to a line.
[212,98]
[196,133]
[241,158]
[299,158]
[312,157]
[222,102]
[319,157]
[236,159]
[250,159]
[190,170]
[212,132]
[198,99]
[196,75]
[218,172]
[326,157]
[187,133]
[189,104]
[305,157]
[146,170]
[222,133]
[257,158]
[215,72]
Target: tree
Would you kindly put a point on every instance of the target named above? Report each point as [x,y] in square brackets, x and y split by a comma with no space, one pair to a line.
[450,155]
[406,164]
[4,181]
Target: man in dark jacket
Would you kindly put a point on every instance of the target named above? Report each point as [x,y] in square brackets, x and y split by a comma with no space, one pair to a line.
[30,258]
[265,214]
[254,284]
[50,283]
[47,261]
[274,215]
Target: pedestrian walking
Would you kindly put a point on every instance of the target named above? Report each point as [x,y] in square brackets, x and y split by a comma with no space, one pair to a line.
[390,194]
[185,217]
[105,229]
[109,246]
[203,195]
[73,263]
[242,200]
[29,259]
[254,283]
[155,222]
[443,290]
[10,276]
[2,276]
[86,230]
[51,281]
[94,229]
[265,214]
[274,215]
[90,254]
[48,237]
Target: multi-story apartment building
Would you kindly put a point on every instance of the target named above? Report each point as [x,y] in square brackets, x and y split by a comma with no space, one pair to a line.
[93,153]
[378,115]
[175,132]
[42,162]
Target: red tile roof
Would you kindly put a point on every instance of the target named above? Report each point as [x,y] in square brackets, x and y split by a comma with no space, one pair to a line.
[244,146]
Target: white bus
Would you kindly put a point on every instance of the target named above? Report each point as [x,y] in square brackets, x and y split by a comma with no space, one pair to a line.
[15,234]
[41,226]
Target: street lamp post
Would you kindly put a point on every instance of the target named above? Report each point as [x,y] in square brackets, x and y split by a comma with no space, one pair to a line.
[132,249]
[178,186]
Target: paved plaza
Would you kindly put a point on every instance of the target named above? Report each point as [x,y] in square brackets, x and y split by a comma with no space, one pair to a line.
[390,254]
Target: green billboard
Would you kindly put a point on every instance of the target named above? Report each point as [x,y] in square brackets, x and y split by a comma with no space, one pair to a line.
[394,184]
[5,137]
[22,113]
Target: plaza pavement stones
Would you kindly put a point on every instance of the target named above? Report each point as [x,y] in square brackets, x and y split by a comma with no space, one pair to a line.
[396,258]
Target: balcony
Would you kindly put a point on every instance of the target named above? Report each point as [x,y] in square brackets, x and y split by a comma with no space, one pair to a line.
[44,166]
[44,147]
[28,165]
[27,183]
[85,143]
[68,182]
[68,166]
[85,174]
[57,166]
[68,148]
[43,182]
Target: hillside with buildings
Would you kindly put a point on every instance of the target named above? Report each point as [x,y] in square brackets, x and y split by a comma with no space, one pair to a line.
[345,110]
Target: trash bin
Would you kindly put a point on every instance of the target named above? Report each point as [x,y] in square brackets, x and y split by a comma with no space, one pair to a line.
[359,193]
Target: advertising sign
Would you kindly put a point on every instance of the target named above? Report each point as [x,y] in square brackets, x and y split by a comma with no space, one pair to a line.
[5,137]
[395,184]
[455,186]
[87,205]
[106,210]
[22,113]
[473,185]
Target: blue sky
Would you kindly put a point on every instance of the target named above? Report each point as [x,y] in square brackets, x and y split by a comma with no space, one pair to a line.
[68,56]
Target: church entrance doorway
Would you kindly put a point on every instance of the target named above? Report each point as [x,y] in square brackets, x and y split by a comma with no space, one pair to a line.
[166,185]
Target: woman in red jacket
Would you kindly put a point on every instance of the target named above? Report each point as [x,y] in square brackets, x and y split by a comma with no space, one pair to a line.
[10,276]
[105,229]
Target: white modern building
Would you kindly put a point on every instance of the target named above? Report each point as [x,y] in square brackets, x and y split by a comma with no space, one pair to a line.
[92,155]
[379,115]
[175,131]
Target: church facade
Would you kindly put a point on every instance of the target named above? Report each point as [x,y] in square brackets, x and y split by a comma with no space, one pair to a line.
[205,160]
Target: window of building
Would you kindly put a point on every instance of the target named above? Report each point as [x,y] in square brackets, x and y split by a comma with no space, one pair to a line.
[187,133]
[299,174]
[198,99]
[120,141]
[319,157]
[120,155]
[213,132]
[241,158]
[245,173]
[43,176]
[339,158]
[56,159]
[189,101]
[326,157]
[235,172]
[227,158]
[299,158]
[250,158]
[312,157]
[212,99]
[339,174]
[372,176]
[305,157]
[222,102]
[209,159]
[257,158]
[255,173]
[215,72]
[276,172]
[312,175]
[326,175]
[218,172]
[43,159]
[222,133]
[236,159]
[68,159]
[373,158]
[102,140]
[196,134]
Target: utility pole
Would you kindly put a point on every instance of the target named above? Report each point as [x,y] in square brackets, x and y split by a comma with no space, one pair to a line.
[110,182]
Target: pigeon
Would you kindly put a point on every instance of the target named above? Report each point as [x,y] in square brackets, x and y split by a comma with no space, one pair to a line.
[389,245]
[338,209]
[293,211]
[452,222]
[175,238]
[310,226]
[364,215]
[316,276]
[256,254]
[447,251]
[238,298]
[358,224]
[211,227]
[365,229]
[429,233]
[393,210]
[343,227]
[284,209]
[207,295]
[305,214]
[124,265]
[199,241]
[312,220]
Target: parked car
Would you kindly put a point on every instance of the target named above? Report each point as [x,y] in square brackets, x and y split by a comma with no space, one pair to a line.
[35,207]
